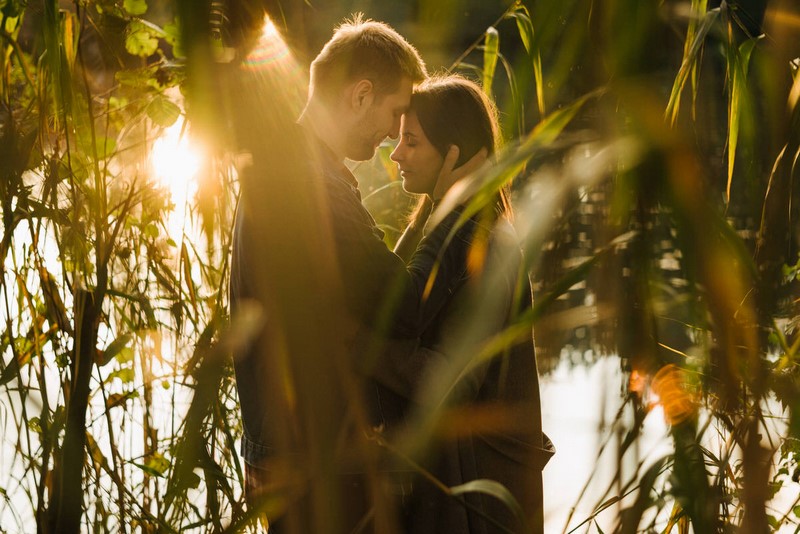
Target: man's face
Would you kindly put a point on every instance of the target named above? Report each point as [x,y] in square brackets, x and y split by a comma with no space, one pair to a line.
[379,120]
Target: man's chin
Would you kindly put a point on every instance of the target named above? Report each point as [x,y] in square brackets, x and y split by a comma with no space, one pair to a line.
[362,155]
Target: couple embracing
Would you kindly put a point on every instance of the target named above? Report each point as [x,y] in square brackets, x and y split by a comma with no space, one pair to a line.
[355,337]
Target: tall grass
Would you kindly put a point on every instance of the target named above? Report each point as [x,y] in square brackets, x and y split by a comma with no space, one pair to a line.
[651,148]
[109,312]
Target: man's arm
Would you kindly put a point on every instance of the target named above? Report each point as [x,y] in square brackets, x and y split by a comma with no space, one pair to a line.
[381,290]
[386,294]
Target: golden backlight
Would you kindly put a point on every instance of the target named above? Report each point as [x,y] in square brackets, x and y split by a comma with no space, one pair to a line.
[175,161]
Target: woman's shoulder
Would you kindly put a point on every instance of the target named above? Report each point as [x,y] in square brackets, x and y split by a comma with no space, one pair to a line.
[504,235]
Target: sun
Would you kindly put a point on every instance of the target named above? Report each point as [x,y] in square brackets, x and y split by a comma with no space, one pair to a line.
[175,160]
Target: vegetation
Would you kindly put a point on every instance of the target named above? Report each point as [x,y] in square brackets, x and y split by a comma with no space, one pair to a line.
[652,146]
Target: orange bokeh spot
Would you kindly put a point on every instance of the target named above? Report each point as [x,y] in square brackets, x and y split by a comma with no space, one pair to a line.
[676,397]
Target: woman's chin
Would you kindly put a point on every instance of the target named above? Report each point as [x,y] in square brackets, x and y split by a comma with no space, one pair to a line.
[414,189]
[409,188]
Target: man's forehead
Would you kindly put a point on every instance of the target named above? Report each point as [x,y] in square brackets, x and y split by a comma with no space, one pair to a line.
[402,96]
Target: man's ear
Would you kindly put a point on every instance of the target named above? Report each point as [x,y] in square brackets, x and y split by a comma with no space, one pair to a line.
[362,93]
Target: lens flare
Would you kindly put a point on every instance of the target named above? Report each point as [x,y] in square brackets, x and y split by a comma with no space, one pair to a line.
[270,49]
[672,386]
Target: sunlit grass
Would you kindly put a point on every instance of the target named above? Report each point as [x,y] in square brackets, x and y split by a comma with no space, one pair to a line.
[163,300]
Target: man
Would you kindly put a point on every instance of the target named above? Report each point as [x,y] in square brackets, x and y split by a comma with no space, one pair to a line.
[307,251]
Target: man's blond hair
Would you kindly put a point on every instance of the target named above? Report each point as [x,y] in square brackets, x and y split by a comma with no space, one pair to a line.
[363,49]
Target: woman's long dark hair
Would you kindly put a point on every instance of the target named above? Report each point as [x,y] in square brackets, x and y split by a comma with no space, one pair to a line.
[453,110]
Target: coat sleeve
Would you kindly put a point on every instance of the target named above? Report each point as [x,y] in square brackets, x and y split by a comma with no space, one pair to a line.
[387,295]
[475,313]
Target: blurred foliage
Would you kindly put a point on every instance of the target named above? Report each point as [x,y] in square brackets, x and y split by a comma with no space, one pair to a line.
[652,149]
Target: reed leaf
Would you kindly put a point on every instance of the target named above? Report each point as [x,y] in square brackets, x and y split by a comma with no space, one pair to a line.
[690,58]
[496,490]
[699,8]
[491,49]
[482,187]
[632,516]
[527,34]
[738,99]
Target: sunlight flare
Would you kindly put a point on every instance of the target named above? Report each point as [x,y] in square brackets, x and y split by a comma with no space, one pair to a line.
[175,162]
[269,50]
[175,159]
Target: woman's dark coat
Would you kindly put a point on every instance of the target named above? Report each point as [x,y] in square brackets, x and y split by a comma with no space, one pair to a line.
[490,423]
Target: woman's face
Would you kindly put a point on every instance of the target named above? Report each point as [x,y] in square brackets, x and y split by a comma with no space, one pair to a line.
[418,159]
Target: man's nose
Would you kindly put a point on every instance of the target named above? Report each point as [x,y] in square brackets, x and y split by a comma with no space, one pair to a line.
[395,132]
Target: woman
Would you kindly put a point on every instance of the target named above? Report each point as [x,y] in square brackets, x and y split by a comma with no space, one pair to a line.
[493,407]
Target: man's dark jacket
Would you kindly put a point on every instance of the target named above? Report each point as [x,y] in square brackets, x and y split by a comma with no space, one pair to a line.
[308,252]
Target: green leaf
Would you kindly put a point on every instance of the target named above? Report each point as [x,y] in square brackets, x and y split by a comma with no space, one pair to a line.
[551,126]
[508,166]
[172,35]
[62,359]
[631,517]
[9,372]
[493,489]
[35,425]
[163,111]
[172,32]
[186,263]
[119,399]
[192,480]
[10,8]
[699,7]
[773,522]
[144,77]
[690,57]
[97,454]
[135,7]
[140,40]
[125,355]
[114,348]
[490,50]
[106,147]
[739,59]
[155,465]
[151,231]
[125,374]
[528,37]
[524,27]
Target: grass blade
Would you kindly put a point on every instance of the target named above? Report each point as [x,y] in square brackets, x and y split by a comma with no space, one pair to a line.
[690,58]
[493,489]
[490,51]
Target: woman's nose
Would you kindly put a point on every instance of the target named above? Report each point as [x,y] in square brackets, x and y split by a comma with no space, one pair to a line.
[396,154]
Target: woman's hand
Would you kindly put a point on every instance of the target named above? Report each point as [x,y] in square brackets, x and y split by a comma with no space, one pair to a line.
[449,175]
